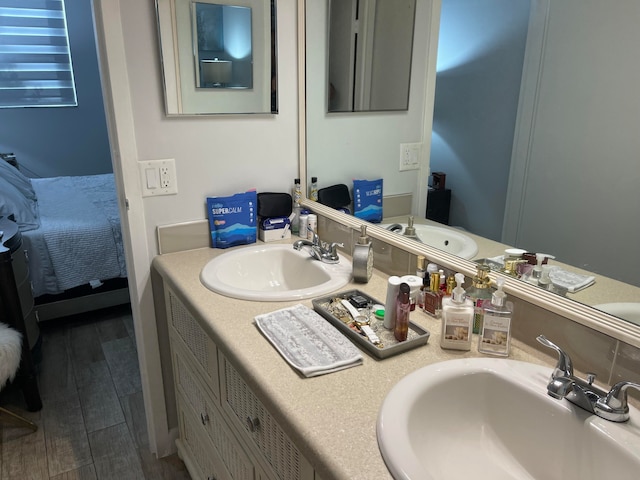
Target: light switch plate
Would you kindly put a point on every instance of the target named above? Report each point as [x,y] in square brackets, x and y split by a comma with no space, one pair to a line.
[158,177]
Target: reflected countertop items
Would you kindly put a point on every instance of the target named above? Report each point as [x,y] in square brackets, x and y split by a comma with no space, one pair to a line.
[604,290]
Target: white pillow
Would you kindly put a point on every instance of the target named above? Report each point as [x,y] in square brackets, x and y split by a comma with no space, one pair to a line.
[17,179]
[12,201]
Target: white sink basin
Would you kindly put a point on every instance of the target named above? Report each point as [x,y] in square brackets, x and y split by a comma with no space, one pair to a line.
[626,310]
[447,239]
[491,418]
[272,273]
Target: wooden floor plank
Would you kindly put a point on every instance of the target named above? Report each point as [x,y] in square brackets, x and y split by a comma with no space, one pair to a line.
[122,358]
[86,472]
[134,413]
[167,468]
[24,453]
[56,377]
[65,435]
[115,455]
[85,344]
[111,329]
[98,398]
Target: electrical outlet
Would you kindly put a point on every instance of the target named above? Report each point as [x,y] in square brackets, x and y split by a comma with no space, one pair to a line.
[158,177]
[409,156]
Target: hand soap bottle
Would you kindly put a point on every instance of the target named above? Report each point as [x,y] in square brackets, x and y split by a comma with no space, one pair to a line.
[457,318]
[495,338]
[362,257]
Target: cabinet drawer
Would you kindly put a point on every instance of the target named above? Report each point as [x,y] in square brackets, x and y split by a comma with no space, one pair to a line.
[196,341]
[260,428]
[217,452]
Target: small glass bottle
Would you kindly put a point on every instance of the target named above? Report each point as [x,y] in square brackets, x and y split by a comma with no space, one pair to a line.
[403,306]
[480,292]
[313,189]
[433,297]
[423,290]
[495,338]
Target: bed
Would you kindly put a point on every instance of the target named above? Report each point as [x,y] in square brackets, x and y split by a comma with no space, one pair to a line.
[71,232]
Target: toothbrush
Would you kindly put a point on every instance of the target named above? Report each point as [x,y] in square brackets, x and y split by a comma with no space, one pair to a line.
[288,225]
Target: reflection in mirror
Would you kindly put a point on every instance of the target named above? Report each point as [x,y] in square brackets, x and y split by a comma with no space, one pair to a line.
[573,194]
[370,44]
[218,56]
[222,46]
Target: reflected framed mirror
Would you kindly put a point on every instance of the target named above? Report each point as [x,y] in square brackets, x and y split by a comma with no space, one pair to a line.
[218,56]
[597,123]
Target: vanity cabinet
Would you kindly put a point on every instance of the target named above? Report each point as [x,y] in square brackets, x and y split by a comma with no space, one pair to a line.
[225,431]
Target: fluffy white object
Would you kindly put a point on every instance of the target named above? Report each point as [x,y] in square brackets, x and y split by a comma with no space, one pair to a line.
[10,353]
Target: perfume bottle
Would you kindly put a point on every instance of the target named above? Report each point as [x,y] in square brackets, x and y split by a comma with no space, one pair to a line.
[433,297]
[479,293]
[403,306]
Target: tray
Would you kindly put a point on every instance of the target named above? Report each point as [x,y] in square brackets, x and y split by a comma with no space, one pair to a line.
[334,312]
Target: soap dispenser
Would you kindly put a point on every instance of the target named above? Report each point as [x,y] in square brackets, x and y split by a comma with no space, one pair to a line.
[362,257]
[457,318]
[495,337]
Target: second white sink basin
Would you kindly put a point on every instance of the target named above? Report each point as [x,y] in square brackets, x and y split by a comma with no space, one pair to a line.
[626,310]
[492,419]
[273,273]
[447,239]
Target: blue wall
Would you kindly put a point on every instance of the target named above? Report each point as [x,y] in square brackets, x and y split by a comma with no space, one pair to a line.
[50,142]
[480,58]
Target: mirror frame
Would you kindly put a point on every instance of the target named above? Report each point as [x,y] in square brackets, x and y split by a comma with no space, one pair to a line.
[570,309]
[166,22]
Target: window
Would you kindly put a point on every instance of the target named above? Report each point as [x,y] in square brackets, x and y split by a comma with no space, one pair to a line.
[35,62]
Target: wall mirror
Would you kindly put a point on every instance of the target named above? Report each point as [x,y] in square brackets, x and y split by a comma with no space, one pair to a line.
[338,159]
[370,44]
[218,56]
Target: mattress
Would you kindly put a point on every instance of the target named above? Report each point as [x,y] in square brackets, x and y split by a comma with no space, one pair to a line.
[79,239]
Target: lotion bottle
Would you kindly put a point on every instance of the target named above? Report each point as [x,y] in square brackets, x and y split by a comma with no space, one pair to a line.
[495,338]
[457,318]
[362,259]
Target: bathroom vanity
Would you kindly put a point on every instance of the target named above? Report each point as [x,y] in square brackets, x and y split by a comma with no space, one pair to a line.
[244,413]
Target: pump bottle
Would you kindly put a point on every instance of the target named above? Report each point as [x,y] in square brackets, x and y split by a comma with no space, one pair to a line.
[495,337]
[457,318]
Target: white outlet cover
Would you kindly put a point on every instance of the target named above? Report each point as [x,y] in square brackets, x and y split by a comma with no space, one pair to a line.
[409,156]
[165,171]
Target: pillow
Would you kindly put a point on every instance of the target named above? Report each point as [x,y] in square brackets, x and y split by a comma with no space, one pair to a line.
[12,201]
[17,179]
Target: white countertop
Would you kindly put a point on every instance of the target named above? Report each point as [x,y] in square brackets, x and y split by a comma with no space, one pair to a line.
[331,418]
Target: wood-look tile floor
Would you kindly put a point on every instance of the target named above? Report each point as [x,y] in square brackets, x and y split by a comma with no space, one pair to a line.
[92,424]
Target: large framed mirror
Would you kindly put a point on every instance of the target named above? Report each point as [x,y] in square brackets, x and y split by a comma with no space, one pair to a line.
[340,148]
[218,56]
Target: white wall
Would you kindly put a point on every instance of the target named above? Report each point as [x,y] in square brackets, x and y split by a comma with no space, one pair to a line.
[214,156]
[49,142]
[580,197]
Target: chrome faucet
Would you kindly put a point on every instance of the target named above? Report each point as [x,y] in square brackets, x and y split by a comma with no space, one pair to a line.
[325,252]
[610,405]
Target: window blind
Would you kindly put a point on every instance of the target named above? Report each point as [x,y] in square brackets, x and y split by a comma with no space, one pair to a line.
[35,61]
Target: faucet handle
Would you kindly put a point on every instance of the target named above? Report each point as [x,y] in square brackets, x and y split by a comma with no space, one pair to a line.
[564,366]
[614,406]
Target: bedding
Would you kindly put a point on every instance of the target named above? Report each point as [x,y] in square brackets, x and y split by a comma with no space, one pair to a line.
[71,232]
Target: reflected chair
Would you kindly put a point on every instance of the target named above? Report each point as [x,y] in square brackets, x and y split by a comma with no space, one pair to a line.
[10,355]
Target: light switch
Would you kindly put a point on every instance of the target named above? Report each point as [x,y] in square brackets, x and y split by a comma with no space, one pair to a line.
[153,178]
